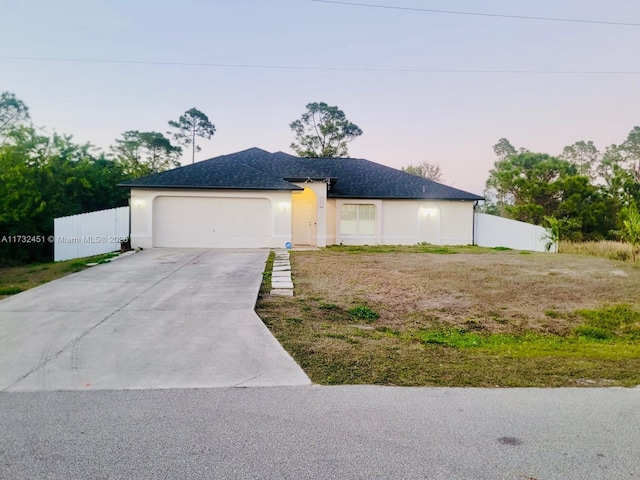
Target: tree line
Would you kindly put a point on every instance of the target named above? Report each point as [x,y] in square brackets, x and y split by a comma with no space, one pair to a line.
[583,193]
[47,175]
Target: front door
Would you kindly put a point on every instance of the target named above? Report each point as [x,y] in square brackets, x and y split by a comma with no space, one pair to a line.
[302,226]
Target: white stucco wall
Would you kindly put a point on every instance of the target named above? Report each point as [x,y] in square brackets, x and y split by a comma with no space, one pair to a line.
[408,222]
[142,202]
[398,222]
[331,221]
[456,226]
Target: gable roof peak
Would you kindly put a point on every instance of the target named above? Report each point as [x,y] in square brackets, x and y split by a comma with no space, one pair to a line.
[252,150]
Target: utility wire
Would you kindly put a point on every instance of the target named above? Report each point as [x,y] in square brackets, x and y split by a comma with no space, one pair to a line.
[312,68]
[478,14]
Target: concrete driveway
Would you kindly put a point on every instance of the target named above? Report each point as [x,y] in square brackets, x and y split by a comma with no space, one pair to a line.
[158,319]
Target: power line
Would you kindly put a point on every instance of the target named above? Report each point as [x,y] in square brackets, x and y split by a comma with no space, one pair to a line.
[320,68]
[478,14]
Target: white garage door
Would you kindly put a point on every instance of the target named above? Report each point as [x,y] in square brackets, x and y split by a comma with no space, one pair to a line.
[206,222]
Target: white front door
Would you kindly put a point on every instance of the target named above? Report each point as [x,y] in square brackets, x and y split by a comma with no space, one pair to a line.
[302,228]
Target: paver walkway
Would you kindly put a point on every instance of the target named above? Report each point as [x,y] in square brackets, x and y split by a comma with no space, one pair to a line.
[281,282]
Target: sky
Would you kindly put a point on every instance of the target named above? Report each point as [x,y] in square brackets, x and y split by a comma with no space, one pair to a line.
[415,82]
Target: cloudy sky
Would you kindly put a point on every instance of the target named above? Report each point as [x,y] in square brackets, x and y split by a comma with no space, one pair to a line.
[422,85]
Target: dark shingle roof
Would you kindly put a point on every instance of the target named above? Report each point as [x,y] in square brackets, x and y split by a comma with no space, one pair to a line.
[256,169]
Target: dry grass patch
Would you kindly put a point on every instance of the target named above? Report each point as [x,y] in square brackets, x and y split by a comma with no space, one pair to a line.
[604,248]
[497,292]
[474,317]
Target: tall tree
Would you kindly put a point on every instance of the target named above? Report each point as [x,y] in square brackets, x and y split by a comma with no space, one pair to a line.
[503,149]
[143,153]
[584,211]
[610,158]
[584,155]
[13,112]
[192,124]
[528,182]
[323,131]
[619,172]
[430,171]
[631,152]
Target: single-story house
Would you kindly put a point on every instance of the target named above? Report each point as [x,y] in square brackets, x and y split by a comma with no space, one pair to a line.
[255,199]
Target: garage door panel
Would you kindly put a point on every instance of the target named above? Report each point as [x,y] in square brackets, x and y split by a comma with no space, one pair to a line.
[211,222]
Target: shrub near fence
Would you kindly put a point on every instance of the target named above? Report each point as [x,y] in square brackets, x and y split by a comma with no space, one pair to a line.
[91,233]
[492,231]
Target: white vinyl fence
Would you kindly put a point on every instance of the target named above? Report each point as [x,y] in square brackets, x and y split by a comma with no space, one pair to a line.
[492,231]
[90,233]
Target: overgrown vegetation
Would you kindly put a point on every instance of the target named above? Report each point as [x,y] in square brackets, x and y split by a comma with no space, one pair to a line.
[605,248]
[44,176]
[582,193]
[477,318]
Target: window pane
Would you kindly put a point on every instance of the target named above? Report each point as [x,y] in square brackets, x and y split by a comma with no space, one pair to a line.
[367,212]
[358,219]
[348,220]
[349,212]
[367,227]
[367,220]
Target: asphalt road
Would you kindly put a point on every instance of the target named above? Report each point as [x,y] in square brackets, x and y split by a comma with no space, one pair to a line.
[313,432]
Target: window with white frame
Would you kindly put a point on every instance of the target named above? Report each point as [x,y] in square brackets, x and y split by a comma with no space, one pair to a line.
[358,219]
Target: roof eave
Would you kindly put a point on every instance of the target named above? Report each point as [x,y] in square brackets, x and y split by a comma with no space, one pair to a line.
[208,187]
[473,198]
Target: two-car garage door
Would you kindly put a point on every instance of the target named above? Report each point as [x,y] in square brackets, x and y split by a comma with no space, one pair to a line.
[208,222]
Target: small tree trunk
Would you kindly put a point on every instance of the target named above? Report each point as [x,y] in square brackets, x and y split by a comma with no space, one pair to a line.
[193,147]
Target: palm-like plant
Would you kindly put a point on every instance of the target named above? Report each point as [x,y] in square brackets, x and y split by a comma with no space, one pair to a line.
[553,234]
[631,228]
